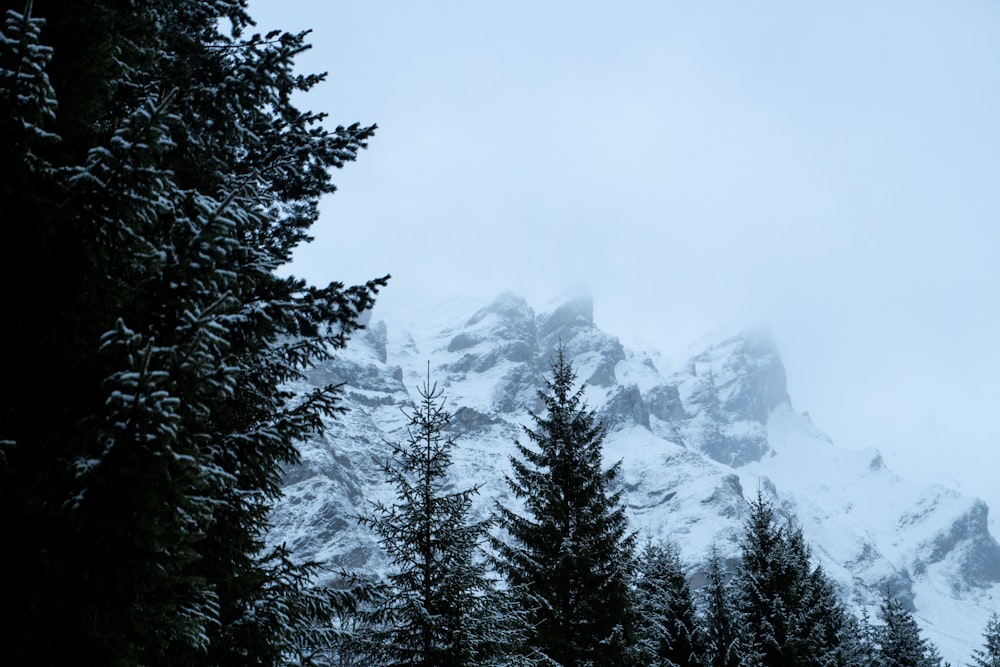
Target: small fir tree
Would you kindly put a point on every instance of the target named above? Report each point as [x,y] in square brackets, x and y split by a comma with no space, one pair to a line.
[791,607]
[989,654]
[667,632]
[769,589]
[571,553]
[898,637]
[857,645]
[727,638]
[440,607]
[820,627]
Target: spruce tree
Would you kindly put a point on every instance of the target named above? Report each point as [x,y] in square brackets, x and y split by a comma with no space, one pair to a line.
[989,654]
[728,639]
[571,552]
[158,176]
[791,607]
[898,637]
[441,607]
[667,633]
[866,641]
[856,646]
[769,589]
[822,631]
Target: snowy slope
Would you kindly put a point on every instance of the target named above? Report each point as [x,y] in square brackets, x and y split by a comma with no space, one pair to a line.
[697,435]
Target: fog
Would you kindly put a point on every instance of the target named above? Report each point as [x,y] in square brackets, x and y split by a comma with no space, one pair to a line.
[829,169]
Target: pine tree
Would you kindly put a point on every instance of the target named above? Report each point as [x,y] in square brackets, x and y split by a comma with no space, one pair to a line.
[571,552]
[932,657]
[792,607]
[160,178]
[319,622]
[666,630]
[442,608]
[898,637]
[820,626]
[857,646]
[989,654]
[769,590]
[727,637]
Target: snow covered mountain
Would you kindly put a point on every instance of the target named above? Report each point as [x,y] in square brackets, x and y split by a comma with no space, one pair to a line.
[697,436]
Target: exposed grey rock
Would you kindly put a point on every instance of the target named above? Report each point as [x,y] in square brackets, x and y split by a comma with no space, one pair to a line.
[968,544]
[604,374]
[626,405]
[518,390]
[504,331]
[734,447]
[664,403]
[509,306]
[727,498]
[575,314]
[376,336]
[467,420]
[463,341]
[729,392]
[900,585]
[750,382]
[366,377]
[762,385]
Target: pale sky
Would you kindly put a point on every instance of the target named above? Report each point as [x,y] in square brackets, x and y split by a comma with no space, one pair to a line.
[829,168]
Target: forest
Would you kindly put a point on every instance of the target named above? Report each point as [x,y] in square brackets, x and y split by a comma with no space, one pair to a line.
[158,177]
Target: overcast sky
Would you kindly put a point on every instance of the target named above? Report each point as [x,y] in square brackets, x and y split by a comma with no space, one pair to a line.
[830,168]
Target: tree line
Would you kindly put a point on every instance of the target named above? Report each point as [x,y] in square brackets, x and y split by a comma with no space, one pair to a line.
[158,176]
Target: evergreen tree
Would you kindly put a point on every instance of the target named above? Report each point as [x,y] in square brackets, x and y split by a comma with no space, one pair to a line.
[157,178]
[857,643]
[792,608]
[898,637]
[823,634]
[769,588]
[932,657]
[319,622]
[571,552]
[441,608]
[728,639]
[666,630]
[989,654]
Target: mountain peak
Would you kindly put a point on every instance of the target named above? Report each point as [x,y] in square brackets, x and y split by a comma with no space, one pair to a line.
[507,305]
[574,313]
[745,374]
